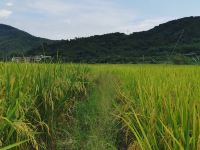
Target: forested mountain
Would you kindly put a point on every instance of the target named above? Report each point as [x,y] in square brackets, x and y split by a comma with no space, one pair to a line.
[16,41]
[178,38]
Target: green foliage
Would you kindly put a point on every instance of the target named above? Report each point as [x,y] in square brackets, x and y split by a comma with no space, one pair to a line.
[180,36]
[180,59]
[95,107]
[158,106]
[15,42]
[36,102]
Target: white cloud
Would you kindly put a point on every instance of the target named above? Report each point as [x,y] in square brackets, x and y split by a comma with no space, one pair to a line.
[144,24]
[68,19]
[9,4]
[4,13]
[57,19]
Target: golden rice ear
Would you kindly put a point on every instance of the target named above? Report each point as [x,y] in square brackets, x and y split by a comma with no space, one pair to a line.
[32,99]
[1,144]
[134,146]
[198,143]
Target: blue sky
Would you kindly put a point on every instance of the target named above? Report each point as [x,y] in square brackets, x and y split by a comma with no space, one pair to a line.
[66,19]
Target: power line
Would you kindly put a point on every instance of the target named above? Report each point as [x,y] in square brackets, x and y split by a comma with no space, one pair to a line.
[177,42]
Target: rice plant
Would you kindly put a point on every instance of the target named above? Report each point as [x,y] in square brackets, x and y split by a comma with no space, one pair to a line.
[36,100]
[159,106]
[133,107]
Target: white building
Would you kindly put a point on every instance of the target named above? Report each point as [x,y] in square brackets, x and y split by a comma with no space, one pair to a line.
[31,59]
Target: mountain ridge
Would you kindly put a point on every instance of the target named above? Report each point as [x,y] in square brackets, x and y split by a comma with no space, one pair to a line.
[13,40]
[176,37]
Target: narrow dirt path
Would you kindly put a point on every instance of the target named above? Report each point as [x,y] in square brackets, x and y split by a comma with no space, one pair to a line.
[95,126]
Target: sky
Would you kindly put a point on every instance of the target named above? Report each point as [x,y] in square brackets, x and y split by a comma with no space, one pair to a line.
[67,19]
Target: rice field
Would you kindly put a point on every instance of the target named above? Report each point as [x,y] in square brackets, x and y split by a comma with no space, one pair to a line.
[97,107]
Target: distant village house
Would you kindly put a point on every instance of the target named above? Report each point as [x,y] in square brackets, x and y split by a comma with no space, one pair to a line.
[40,58]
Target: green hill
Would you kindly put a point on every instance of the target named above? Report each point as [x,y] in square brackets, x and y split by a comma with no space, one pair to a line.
[163,42]
[13,40]
[177,41]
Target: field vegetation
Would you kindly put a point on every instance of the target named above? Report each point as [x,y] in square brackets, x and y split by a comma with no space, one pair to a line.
[97,107]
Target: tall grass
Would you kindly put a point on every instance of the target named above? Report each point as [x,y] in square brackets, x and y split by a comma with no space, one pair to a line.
[159,106]
[36,101]
[134,107]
